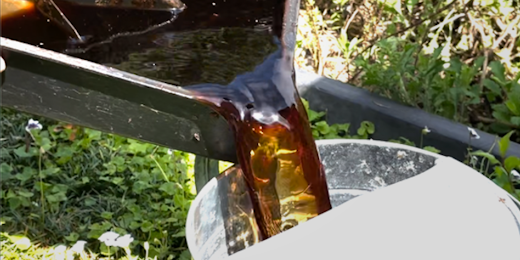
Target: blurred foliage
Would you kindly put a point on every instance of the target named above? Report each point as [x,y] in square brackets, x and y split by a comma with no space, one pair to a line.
[457,59]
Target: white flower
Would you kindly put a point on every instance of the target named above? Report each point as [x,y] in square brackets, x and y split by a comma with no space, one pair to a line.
[426,130]
[146,246]
[473,160]
[78,247]
[59,252]
[473,134]
[60,249]
[109,238]
[515,175]
[33,124]
[124,241]
[170,152]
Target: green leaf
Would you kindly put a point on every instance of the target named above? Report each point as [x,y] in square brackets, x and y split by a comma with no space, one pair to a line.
[491,158]
[25,193]
[181,233]
[26,174]
[85,180]
[147,226]
[93,134]
[105,250]
[118,161]
[502,179]
[431,149]
[97,229]
[117,180]
[493,87]
[178,200]
[169,188]
[72,237]
[20,152]
[515,120]
[5,172]
[369,126]
[513,107]
[504,117]
[511,162]
[185,255]
[90,202]
[134,225]
[322,127]
[107,215]
[137,147]
[305,104]
[315,115]
[498,70]
[503,144]
[50,171]
[64,154]
[14,203]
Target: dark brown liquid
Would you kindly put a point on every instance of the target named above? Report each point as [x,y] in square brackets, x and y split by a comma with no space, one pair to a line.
[233,56]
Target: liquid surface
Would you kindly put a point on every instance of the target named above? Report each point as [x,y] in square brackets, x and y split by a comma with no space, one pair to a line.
[235,56]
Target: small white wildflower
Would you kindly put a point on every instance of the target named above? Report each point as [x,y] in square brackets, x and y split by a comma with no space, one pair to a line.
[146,246]
[515,175]
[473,134]
[60,249]
[33,124]
[426,130]
[170,151]
[109,238]
[59,252]
[78,247]
[124,241]
[473,160]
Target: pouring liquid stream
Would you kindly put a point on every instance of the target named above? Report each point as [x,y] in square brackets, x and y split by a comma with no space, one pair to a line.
[258,97]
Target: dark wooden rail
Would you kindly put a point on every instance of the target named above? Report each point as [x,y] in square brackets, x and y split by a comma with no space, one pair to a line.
[47,83]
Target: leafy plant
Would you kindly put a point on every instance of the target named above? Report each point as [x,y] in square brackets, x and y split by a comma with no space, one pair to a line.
[506,113]
[505,170]
[64,183]
[322,130]
[457,59]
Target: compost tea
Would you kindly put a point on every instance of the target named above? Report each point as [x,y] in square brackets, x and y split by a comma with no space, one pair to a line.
[234,55]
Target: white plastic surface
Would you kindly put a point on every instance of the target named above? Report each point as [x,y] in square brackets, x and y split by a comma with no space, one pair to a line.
[448,212]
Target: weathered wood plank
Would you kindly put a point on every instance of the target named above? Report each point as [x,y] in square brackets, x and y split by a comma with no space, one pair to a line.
[51,85]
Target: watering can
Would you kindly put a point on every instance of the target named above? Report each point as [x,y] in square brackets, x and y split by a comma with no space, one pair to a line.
[390,201]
